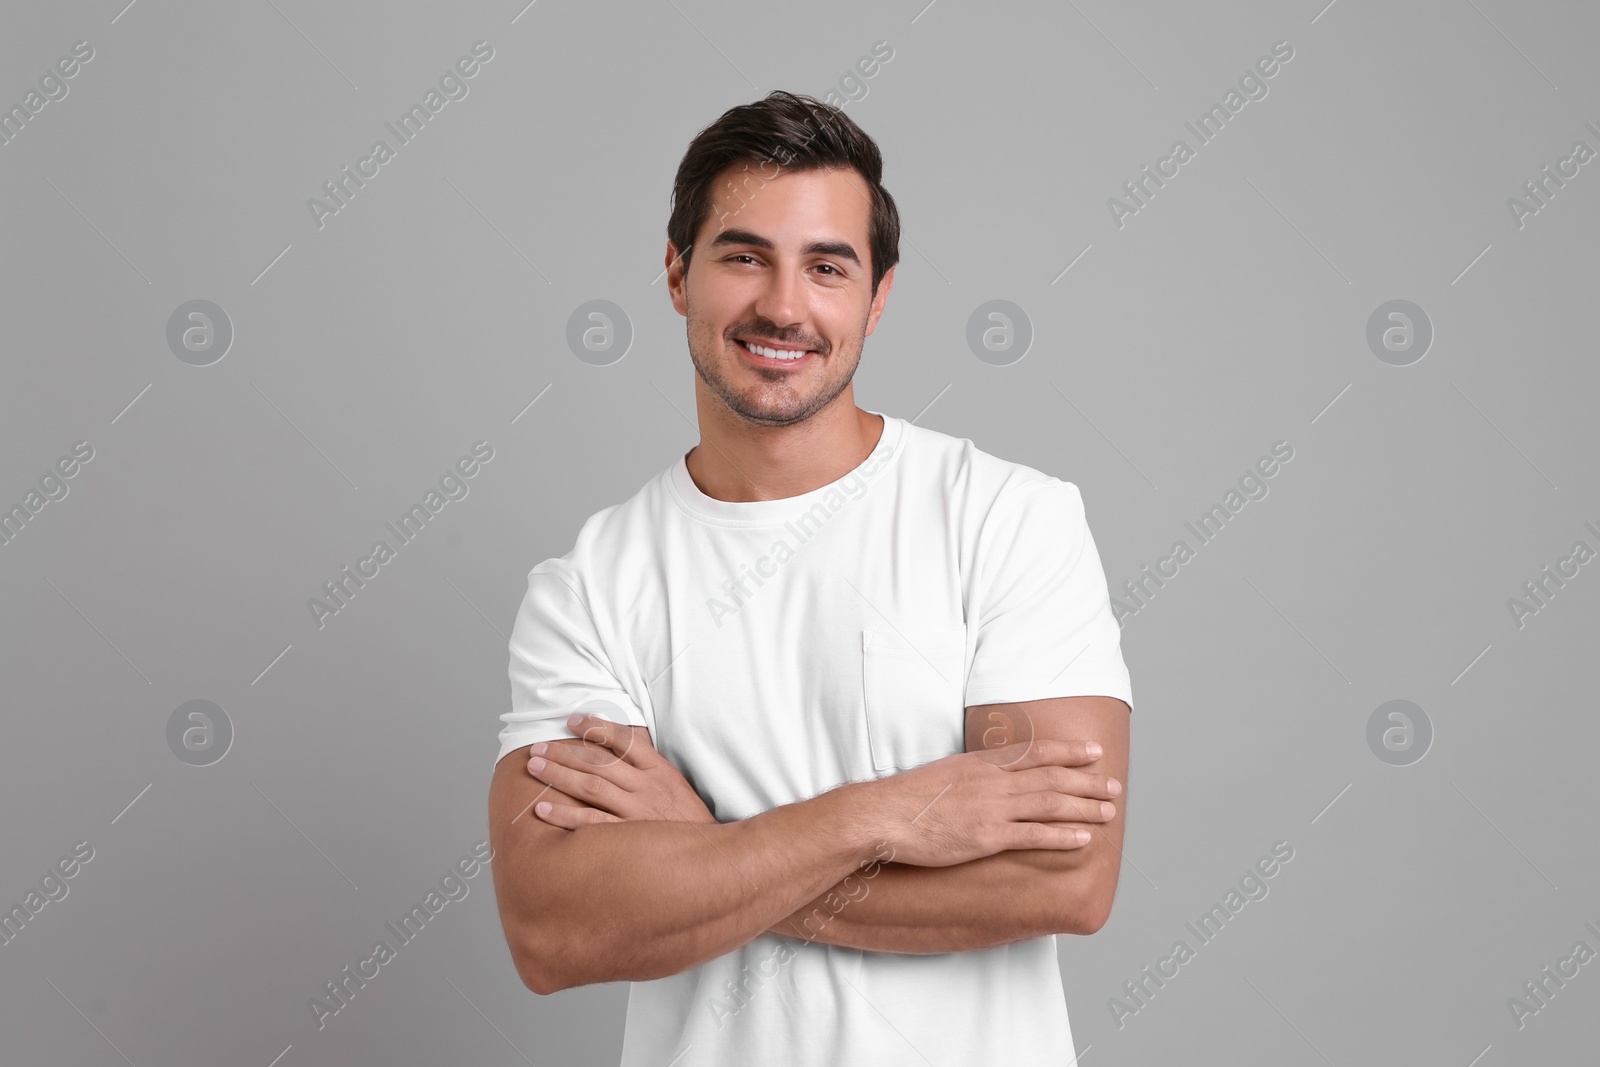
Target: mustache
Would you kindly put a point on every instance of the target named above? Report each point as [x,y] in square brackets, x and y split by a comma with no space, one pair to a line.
[779,337]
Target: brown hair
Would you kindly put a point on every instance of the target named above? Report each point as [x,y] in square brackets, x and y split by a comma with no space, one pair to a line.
[784,131]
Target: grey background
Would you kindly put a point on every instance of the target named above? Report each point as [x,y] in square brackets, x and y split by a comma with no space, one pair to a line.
[368,355]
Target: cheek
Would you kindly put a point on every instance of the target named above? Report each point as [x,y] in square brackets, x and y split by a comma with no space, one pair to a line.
[852,339]
[713,310]
[701,326]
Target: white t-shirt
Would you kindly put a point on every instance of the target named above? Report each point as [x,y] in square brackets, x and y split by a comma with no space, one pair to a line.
[778,648]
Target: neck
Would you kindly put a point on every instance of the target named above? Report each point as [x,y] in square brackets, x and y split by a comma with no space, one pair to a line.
[738,460]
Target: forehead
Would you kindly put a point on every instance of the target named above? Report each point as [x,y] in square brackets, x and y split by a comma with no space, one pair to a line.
[792,207]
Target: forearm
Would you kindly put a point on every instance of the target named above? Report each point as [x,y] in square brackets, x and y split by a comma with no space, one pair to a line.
[1010,896]
[633,901]
[919,910]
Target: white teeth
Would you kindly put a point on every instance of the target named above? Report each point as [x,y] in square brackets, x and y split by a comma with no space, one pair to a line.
[772,353]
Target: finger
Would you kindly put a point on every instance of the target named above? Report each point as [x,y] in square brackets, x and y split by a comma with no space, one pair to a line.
[1050,806]
[1009,724]
[578,784]
[595,760]
[569,817]
[1044,835]
[1045,751]
[666,807]
[1067,780]
[600,736]
[620,739]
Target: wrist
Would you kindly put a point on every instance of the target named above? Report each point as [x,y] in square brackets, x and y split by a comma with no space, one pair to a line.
[854,820]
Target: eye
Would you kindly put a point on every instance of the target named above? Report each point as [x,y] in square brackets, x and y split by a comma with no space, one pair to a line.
[741,255]
[831,267]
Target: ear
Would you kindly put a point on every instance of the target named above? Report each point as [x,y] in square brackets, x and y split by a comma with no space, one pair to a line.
[884,285]
[677,272]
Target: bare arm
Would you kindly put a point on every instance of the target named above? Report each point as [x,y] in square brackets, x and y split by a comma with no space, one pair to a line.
[1002,898]
[613,900]
[641,900]
[921,910]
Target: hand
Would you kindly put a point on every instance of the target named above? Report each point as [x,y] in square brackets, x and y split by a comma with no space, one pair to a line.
[619,773]
[970,805]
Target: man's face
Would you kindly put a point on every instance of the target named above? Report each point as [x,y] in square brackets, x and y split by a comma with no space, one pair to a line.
[781,263]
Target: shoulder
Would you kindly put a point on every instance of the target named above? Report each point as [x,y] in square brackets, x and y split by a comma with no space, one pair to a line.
[981,484]
[607,538]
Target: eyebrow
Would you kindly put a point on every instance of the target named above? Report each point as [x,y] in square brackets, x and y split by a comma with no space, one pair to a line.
[842,249]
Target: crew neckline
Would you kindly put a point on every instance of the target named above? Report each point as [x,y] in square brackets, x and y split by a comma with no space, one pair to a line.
[775,512]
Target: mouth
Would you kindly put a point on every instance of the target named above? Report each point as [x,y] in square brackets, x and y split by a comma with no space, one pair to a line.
[772,355]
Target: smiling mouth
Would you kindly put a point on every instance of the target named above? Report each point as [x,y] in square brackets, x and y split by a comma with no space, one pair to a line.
[768,352]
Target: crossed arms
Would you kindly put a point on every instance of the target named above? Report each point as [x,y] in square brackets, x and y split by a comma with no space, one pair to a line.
[964,853]
[1009,896]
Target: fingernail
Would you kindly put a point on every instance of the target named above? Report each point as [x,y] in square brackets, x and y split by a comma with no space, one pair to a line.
[1108,810]
[573,720]
[1082,836]
[538,750]
[1113,787]
[543,807]
[1094,750]
[536,764]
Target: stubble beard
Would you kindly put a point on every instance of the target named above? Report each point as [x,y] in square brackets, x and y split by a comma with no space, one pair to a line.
[776,406]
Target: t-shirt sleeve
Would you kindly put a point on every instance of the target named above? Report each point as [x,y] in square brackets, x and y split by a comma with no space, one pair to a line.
[557,664]
[1045,625]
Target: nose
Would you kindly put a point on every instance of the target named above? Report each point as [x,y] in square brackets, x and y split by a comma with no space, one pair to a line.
[781,301]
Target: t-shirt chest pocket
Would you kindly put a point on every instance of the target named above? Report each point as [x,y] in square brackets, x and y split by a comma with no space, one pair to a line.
[913,685]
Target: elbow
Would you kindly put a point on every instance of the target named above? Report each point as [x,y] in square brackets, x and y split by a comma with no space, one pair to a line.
[536,981]
[538,962]
[1089,908]
[1091,918]
[1092,889]
[1075,896]
[535,976]
[551,957]
[541,985]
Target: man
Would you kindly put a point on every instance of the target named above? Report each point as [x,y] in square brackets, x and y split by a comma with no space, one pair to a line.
[856,704]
